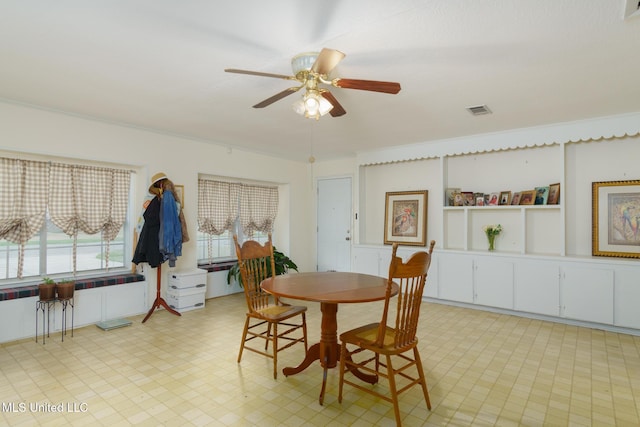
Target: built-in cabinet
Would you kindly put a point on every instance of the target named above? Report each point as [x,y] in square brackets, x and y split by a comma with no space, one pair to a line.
[594,293]
[542,266]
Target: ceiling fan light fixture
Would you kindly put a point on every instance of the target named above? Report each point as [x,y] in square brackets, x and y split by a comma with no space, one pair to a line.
[312,105]
[303,62]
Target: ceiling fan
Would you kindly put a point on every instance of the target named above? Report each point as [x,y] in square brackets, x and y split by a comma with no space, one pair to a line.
[311,70]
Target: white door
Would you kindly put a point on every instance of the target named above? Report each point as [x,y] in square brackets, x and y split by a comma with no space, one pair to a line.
[334,224]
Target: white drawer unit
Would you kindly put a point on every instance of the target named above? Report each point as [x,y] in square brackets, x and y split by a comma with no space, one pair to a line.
[186,289]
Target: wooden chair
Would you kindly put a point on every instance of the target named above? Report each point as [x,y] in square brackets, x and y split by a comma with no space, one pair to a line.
[265,312]
[378,339]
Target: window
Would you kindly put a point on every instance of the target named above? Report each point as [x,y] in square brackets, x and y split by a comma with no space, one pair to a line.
[59,219]
[222,246]
[226,208]
[55,257]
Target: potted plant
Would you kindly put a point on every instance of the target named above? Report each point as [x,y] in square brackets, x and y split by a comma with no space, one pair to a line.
[282,263]
[65,288]
[47,289]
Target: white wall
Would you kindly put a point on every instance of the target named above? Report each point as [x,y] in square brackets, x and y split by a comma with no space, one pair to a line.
[586,162]
[30,132]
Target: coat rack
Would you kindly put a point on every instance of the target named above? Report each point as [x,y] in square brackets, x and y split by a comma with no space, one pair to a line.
[159,300]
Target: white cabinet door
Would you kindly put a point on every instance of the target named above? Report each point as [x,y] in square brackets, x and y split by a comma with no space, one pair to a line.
[455,277]
[537,287]
[627,297]
[366,261]
[587,294]
[431,288]
[494,282]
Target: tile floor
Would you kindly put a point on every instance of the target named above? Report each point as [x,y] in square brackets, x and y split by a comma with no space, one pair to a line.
[483,369]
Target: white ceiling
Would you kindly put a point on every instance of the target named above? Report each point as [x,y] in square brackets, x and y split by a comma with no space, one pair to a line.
[159,64]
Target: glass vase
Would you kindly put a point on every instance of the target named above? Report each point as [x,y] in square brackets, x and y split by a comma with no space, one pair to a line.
[492,242]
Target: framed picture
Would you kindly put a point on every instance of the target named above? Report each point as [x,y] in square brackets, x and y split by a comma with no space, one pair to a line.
[542,194]
[554,194]
[448,194]
[615,218]
[505,197]
[494,199]
[527,197]
[405,218]
[458,198]
[180,194]
[468,198]
[480,200]
[515,200]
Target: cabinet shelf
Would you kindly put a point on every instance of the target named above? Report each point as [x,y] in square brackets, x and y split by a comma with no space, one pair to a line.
[502,207]
[526,229]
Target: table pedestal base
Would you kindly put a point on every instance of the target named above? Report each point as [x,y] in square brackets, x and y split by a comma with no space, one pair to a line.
[327,351]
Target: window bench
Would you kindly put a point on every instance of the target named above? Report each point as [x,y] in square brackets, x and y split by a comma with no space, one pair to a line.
[31,291]
[95,300]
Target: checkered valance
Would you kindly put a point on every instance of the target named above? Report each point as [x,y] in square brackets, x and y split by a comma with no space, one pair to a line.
[220,203]
[23,201]
[258,208]
[79,198]
[88,199]
[217,206]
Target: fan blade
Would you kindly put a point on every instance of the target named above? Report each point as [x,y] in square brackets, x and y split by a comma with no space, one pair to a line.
[372,85]
[337,109]
[277,97]
[327,61]
[258,73]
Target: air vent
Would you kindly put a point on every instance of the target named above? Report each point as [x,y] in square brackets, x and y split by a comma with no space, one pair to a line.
[478,110]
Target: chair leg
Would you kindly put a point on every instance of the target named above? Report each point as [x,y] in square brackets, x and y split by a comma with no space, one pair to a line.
[423,378]
[343,358]
[275,349]
[304,331]
[392,389]
[266,343]
[244,338]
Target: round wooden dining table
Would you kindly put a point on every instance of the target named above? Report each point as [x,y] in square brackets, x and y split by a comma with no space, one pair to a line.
[329,289]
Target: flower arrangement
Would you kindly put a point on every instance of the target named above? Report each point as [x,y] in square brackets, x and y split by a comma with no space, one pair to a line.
[492,231]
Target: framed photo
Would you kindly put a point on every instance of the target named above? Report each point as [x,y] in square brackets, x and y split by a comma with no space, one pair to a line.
[505,197]
[448,194]
[180,194]
[458,198]
[480,200]
[554,194]
[542,194]
[468,198]
[515,200]
[615,218]
[494,199]
[405,218]
[527,197]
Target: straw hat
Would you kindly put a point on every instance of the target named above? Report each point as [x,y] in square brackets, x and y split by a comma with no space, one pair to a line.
[157,177]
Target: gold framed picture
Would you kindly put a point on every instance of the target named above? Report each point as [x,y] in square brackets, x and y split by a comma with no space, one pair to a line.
[615,219]
[554,194]
[527,197]
[180,194]
[405,218]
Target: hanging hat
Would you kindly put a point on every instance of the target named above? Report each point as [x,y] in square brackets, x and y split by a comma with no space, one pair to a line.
[157,177]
